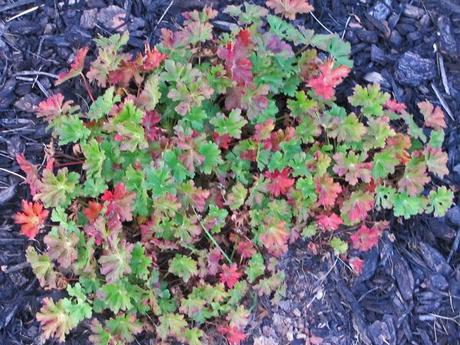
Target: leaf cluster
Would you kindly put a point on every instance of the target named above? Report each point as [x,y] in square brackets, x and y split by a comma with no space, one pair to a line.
[202,159]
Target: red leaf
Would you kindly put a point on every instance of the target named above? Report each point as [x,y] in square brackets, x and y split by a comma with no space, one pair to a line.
[324,84]
[31,219]
[236,58]
[357,207]
[152,59]
[92,211]
[233,334]
[246,249]
[119,207]
[329,223]
[280,183]
[327,190]
[229,275]
[214,257]
[395,107]
[357,264]
[150,121]
[223,141]
[75,68]
[365,239]
[31,171]
[127,70]
[434,116]
[289,8]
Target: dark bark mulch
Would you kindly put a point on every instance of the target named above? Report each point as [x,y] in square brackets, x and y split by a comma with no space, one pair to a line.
[409,292]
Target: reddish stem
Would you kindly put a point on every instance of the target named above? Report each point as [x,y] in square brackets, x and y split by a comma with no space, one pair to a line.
[88,89]
[68,164]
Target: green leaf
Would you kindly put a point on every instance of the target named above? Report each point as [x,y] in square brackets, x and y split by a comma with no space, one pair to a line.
[289,32]
[230,125]
[183,267]
[339,246]
[94,159]
[150,95]
[237,196]
[407,206]
[439,201]
[60,189]
[193,336]
[255,268]
[334,45]
[116,296]
[384,164]
[309,231]
[159,181]
[370,99]
[178,170]
[69,129]
[103,104]
[350,129]
[212,158]
[436,139]
[385,197]
[42,268]
[139,262]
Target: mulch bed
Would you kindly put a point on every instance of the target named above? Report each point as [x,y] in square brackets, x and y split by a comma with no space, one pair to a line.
[409,291]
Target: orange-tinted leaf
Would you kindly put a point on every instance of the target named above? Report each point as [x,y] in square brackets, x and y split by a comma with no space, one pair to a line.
[325,84]
[365,239]
[275,237]
[434,116]
[229,275]
[233,334]
[357,207]
[53,107]
[75,68]
[415,177]
[31,219]
[290,8]
[327,190]
[152,59]
[54,319]
[31,171]
[280,183]
[436,161]
[92,211]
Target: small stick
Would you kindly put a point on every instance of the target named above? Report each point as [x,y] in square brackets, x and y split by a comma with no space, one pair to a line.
[443,101]
[322,25]
[30,10]
[24,73]
[346,26]
[445,82]
[163,15]
[13,173]
[17,267]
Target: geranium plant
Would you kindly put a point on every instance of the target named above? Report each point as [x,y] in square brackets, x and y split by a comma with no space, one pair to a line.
[201,160]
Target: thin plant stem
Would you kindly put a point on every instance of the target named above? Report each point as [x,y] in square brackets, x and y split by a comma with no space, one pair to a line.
[88,89]
[212,238]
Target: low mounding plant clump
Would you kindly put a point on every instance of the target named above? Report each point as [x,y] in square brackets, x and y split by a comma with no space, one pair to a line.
[201,160]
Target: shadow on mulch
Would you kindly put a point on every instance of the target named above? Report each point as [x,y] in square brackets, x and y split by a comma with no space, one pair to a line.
[409,291]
